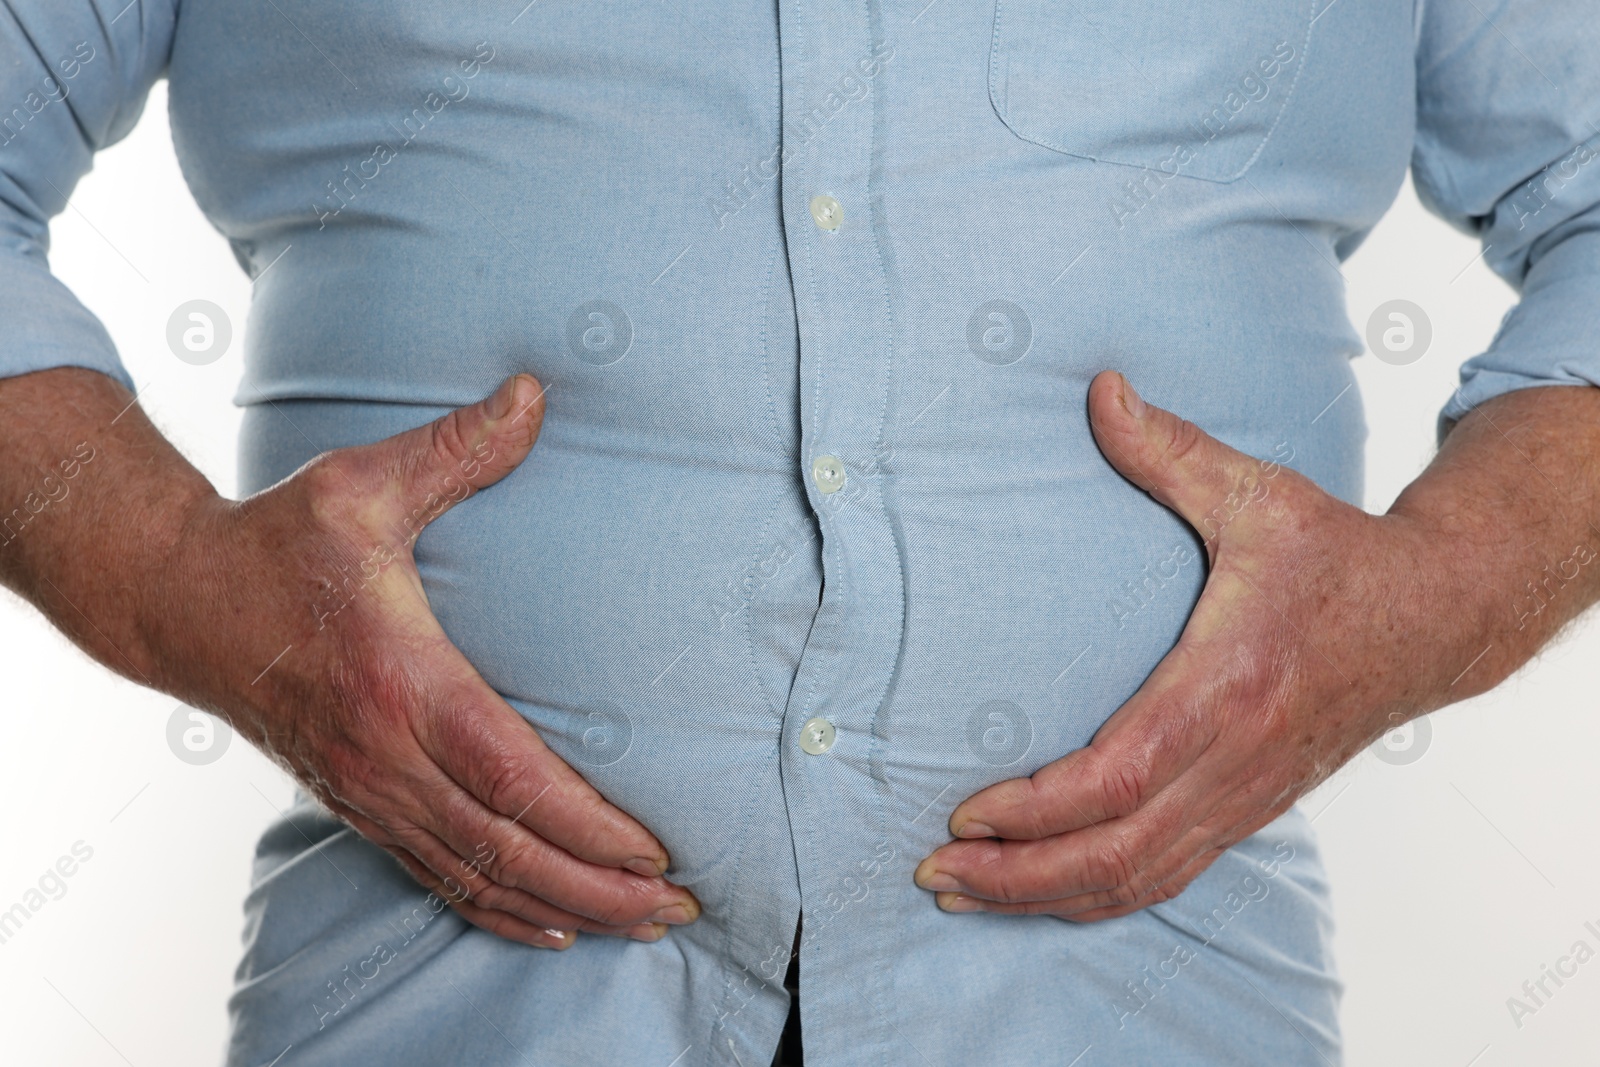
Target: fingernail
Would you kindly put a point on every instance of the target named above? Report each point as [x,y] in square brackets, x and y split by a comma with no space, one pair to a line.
[1130,399]
[648,868]
[562,938]
[677,914]
[941,881]
[647,931]
[961,903]
[500,403]
[976,829]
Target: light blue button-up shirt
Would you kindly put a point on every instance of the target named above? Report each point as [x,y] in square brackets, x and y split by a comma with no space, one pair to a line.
[809,460]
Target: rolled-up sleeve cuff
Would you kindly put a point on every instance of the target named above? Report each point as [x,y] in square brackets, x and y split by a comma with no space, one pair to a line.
[1551,338]
[47,327]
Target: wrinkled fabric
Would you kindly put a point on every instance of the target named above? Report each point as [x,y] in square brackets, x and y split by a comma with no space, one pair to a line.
[618,198]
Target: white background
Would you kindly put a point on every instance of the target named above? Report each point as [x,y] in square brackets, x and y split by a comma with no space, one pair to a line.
[1455,877]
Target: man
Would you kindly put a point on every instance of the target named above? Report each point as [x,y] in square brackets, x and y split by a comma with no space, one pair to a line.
[839,538]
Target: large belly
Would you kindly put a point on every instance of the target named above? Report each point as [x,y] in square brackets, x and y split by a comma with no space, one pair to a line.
[648,608]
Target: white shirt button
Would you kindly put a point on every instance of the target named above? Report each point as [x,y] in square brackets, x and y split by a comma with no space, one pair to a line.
[816,736]
[826,212]
[828,473]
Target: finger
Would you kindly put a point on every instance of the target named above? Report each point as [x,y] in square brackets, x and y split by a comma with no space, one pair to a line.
[1147,744]
[1245,813]
[468,885]
[1241,814]
[514,856]
[1159,732]
[435,866]
[517,929]
[1168,890]
[469,880]
[509,926]
[1102,857]
[537,932]
[1074,908]
[1207,824]
[535,924]
[428,470]
[1205,481]
[1118,856]
[497,756]
[1162,879]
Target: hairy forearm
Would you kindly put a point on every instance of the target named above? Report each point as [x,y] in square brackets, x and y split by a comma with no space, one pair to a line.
[92,497]
[376,714]
[1513,497]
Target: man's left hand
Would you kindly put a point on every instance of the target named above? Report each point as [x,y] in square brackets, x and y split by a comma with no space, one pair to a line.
[1320,628]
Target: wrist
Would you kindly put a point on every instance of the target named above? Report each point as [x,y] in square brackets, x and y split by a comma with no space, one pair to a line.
[1458,615]
[1502,574]
[179,530]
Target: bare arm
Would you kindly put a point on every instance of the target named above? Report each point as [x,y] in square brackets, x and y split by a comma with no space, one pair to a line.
[238,608]
[1320,628]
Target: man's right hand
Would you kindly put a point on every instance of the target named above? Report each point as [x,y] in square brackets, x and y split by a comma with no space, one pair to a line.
[298,616]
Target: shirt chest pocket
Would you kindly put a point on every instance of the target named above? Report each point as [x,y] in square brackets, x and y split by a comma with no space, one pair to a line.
[1191,87]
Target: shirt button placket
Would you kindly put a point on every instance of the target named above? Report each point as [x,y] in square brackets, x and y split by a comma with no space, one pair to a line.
[833,728]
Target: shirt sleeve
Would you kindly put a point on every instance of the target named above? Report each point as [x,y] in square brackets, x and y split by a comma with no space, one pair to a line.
[1508,149]
[74,75]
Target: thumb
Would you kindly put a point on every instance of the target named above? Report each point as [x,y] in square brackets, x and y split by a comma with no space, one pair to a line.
[430,469]
[1180,465]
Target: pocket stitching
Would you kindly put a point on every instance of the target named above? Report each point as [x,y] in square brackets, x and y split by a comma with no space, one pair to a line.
[1288,97]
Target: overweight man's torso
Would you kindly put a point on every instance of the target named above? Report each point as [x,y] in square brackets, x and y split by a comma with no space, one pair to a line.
[802,462]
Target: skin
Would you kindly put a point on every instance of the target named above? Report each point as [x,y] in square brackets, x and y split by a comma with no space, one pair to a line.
[297,616]
[1320,628]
